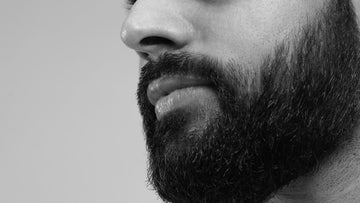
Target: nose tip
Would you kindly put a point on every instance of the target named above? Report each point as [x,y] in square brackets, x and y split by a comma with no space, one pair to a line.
[156,34]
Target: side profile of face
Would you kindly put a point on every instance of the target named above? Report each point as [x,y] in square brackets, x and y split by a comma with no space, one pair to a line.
[241,97]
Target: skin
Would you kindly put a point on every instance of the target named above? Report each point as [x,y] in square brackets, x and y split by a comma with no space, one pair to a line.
[246,30]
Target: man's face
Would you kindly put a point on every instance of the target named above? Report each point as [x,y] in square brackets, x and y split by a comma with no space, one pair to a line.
[241,97]
[245,30]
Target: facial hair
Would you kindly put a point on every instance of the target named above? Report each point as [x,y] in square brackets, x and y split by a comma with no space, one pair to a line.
[263,136]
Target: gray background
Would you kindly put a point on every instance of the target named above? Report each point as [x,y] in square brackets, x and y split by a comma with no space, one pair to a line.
[70,130]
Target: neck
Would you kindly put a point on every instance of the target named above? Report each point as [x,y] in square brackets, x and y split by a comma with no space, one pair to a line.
[336,180]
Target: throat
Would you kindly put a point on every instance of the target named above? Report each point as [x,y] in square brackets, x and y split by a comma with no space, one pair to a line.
[337,179]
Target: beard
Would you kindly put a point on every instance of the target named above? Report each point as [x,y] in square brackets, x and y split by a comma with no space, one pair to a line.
[265,129]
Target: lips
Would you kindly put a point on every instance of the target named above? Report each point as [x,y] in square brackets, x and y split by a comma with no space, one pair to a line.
[165,85]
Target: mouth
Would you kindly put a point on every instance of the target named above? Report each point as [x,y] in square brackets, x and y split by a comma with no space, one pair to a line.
[170,92]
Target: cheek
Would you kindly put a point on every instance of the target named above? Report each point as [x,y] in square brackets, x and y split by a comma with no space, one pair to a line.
[250,30]
[274,20]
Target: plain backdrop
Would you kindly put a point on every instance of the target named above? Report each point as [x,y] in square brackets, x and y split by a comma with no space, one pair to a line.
[70,130]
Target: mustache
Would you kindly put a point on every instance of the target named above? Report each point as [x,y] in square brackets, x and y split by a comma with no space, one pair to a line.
[230,78]
[170,64]
[183,64]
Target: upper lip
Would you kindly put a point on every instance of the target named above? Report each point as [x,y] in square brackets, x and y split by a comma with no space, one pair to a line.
[167,84]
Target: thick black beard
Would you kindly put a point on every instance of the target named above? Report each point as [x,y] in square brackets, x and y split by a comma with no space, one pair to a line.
[260,141]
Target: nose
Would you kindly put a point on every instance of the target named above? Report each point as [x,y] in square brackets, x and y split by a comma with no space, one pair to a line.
[152,29]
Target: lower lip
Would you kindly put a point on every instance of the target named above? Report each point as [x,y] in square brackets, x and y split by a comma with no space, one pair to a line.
[186,97]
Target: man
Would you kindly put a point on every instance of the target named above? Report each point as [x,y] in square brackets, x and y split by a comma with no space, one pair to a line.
[249,100]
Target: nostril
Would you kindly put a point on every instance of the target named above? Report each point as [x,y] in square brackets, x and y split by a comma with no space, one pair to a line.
[156,41]
[144,55]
